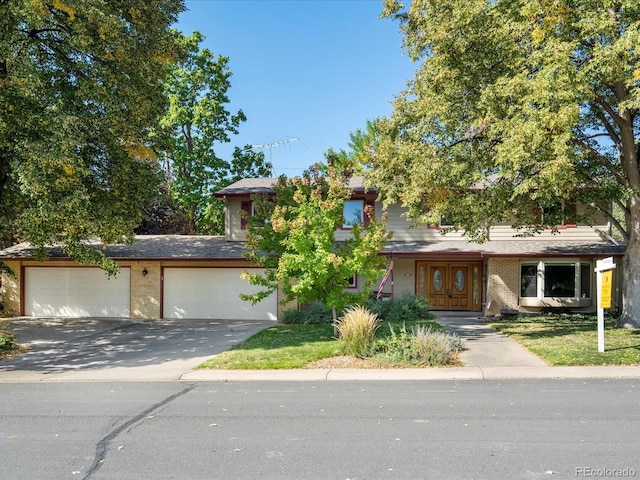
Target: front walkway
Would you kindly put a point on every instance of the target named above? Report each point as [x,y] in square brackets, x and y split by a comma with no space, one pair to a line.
[486,347]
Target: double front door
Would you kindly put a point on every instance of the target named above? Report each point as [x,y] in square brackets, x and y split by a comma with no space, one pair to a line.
[450,285]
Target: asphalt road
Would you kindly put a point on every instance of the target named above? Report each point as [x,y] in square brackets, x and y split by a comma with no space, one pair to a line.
[517,429]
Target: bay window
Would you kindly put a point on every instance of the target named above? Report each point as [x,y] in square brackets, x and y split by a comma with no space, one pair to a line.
[558,280]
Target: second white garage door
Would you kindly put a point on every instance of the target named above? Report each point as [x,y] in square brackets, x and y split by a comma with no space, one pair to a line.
[212,293]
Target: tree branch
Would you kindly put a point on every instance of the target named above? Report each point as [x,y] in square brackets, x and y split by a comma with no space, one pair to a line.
[34,32]
[607,125]
[604,161]
[610,111]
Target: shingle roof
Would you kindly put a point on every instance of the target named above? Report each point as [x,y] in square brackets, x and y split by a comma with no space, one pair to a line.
[192,247]
[250,186]
[511,248]
[189,247]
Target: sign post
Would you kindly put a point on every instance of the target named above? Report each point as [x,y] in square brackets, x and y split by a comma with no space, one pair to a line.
[604,279]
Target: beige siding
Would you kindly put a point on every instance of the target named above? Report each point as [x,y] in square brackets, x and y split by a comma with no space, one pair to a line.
[234,231]
[567,234]
[404,231]
[404,281]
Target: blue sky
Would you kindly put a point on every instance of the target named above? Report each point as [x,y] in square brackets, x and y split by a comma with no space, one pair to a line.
[314,70]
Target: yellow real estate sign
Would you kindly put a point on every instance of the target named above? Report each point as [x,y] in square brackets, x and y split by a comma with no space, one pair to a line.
[605,293]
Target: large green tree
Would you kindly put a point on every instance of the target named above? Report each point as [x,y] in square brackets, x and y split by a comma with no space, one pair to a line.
[81,87]
[198,120]
[536,101]
[293,235]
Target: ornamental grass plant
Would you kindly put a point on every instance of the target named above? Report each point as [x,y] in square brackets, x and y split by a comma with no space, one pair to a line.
[356,331]
[420,345]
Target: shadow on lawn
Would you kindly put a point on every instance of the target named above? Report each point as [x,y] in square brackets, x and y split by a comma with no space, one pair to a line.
[552,326]
[629,347]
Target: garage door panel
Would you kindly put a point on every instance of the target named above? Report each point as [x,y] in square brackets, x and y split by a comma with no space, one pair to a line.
[76,292]
[212,293]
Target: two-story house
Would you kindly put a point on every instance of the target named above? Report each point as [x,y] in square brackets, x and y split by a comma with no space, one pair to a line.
[174,276]
[508,271]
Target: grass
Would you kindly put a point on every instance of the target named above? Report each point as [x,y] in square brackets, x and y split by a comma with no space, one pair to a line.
[281,346]
[287,346]
[571,339]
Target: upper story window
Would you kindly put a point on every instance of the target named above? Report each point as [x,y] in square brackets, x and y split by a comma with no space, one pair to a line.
[246,211]
[561,214]
[445,221]
[353,213]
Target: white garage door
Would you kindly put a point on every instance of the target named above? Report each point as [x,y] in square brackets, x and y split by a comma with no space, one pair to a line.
[76,292]
[213,293]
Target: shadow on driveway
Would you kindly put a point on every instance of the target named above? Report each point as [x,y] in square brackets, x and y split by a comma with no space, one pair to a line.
[71,344]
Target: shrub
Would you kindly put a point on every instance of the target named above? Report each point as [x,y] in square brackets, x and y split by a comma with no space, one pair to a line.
[314,314]
[408,308]
[356,331]
[8,342]
[422,346]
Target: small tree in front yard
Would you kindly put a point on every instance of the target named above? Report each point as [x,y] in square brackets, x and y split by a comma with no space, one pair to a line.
[293,235]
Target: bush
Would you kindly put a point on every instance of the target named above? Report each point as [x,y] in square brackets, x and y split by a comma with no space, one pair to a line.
[314,314]
[356,331]
[408,308]
[422,346]
[8,342]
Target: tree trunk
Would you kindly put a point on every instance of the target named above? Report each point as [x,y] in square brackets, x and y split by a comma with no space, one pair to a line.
[335,323]
[630,317]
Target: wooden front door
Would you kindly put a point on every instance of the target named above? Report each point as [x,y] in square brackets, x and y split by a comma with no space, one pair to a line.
[450,285]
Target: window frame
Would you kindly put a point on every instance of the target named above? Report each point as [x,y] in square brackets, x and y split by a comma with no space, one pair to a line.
[246,206]
[582,287]
[348,226]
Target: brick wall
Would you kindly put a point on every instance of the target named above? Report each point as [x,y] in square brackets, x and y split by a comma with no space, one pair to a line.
[10,291]
[503,280]
[145,290]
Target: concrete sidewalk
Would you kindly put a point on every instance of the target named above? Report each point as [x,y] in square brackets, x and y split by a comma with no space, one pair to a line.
[485,347]
[489,356]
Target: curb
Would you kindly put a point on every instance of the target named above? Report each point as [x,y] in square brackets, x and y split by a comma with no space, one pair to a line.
[143,374]
[455,373]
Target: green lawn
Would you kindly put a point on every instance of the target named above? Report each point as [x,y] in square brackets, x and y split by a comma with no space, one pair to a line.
[286,346]
[281,346]
[573,339]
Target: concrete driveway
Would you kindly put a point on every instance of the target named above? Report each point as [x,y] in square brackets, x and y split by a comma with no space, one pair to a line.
[71,348]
